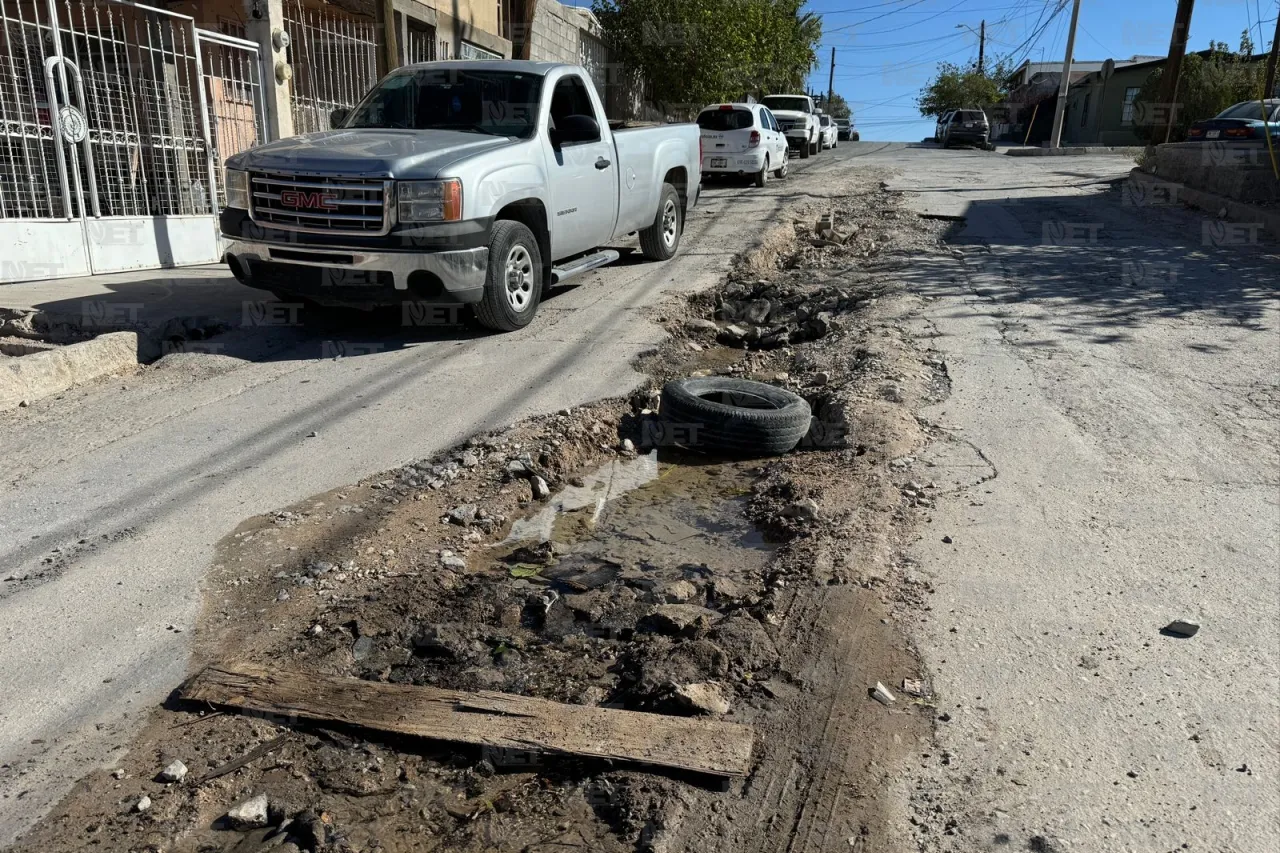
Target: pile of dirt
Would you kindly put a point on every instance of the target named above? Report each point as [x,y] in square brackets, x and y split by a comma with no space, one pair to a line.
[567,558]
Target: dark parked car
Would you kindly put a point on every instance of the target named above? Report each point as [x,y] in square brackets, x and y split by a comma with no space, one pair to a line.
[969,126]
[847,132]
[1239,123]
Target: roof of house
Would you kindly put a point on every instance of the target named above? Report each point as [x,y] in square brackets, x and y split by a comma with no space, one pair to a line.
[1139,63]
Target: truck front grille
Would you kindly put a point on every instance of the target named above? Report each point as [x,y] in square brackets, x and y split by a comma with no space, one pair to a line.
[324,205]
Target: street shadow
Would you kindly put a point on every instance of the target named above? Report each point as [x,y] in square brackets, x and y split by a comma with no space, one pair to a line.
[1107,264]
[219,316]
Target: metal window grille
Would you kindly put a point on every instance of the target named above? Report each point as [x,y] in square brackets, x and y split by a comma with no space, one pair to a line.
[335,62]
[420,45]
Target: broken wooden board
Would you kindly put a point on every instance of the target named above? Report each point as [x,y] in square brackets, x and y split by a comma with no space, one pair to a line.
[483,718]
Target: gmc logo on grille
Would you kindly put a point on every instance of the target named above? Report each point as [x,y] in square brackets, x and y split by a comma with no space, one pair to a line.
[317,200]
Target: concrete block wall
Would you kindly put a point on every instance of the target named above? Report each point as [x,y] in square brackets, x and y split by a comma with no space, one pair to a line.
[556,35]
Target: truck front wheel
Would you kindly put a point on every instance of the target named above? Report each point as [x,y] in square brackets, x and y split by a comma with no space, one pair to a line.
[660,240]
[513,286]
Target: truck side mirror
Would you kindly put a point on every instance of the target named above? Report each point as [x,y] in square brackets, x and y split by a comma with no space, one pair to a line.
[576,129]
[338,117]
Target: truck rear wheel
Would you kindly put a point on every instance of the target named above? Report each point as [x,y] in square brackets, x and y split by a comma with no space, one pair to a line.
[513,286]
[660,240]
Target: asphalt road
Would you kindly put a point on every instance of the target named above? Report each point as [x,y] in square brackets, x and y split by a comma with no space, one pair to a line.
[127,486]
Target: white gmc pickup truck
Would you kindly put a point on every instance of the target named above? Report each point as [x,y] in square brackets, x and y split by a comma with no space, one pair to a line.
[457,182]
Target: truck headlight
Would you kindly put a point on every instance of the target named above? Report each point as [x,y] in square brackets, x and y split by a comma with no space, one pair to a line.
[237,184]
[429,201]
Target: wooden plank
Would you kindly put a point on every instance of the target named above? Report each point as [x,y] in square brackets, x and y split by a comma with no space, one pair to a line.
[482,718]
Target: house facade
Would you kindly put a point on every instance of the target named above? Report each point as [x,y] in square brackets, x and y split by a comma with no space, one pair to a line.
[116,117]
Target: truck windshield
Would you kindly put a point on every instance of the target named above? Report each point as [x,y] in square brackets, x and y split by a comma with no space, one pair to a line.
[500,103]
[797,105]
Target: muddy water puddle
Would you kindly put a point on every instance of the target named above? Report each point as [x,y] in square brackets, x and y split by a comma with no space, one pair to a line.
[660,516]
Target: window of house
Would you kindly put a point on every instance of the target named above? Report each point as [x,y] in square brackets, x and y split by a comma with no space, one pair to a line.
[1130,96]
[230,27]
[472,51]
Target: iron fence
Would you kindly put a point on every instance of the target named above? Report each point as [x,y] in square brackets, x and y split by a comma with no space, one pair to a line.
[334,56]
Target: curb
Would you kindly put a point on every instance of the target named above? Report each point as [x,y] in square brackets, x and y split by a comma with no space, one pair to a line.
[1237,211]
[43,374]
[1120,151]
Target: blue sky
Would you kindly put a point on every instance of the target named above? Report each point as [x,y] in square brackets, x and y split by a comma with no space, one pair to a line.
[887,49]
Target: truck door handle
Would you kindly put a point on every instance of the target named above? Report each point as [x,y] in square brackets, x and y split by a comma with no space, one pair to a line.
[603,164]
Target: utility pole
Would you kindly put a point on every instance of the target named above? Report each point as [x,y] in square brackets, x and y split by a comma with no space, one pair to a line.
[831,81]
[982,43]
[1065,87]
[1270,91]
[1169,78]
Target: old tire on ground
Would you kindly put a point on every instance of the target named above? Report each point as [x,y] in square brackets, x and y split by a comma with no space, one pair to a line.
[660,240]
[513,286]
[762,177]
[716,414]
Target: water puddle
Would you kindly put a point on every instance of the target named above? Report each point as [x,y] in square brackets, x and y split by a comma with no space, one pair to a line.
[663,515]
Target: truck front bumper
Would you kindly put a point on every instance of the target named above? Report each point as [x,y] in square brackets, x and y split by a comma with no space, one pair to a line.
[360,276]
[797,138]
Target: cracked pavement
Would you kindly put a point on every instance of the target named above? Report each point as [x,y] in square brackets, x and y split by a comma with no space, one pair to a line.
[1120,374]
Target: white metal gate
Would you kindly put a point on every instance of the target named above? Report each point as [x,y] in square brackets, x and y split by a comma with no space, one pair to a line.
[107,155]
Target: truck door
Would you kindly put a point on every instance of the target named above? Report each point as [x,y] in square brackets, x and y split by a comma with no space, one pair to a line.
[583,176]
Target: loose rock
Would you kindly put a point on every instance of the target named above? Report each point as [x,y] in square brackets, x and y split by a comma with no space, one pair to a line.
[541,491]
[805,510]
[249,814]
[463,514]
[675,619]
[705,698]
[143,804]
[175,772]
[1178,628]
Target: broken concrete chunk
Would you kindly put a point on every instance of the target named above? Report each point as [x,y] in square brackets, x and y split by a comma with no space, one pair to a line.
[704,698]
[249,814]
[882,695]
[701,324]
[175,772]
[680,619]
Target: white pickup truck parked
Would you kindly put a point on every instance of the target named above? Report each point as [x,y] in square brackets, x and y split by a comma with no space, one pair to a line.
[798,118]
[466,182]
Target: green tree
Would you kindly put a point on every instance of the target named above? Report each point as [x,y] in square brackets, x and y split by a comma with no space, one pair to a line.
[956,87]
[838,108]
[1206,87]
[695,52]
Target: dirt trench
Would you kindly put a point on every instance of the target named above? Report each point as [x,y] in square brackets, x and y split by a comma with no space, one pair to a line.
[459,572]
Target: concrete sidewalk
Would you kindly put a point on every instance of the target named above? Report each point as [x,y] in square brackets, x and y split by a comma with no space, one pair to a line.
[139,300]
